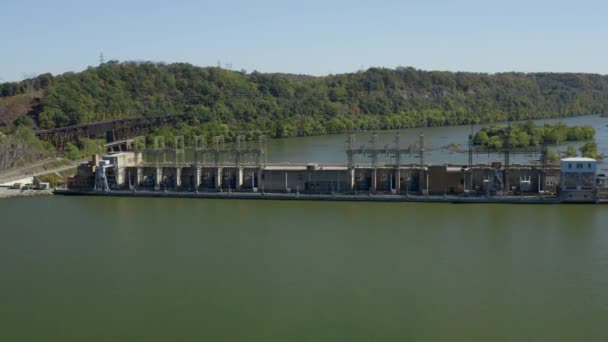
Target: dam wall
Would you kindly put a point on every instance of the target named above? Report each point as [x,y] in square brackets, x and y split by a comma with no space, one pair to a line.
[129,171]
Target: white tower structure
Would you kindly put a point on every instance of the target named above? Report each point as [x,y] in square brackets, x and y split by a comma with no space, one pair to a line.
[578,179]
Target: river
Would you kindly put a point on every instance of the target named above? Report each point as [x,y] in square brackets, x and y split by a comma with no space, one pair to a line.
[331,148]
[145,269]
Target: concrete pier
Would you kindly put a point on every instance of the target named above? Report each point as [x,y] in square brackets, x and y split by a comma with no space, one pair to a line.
[397,180]
[374,187]
[158,178]
[198,174]
[239,178]
[218,178]
[139,176]
[178,177]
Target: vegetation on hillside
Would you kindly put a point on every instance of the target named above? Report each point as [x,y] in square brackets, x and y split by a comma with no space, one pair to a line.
[289,105]
[530,134]
[21,147]
[219,101]
[15,108]
[87,148]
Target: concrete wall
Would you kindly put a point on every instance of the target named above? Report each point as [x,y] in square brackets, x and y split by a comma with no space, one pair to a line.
[446,180]
[306,181]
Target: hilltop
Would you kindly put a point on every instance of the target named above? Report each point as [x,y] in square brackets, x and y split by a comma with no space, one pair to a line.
[290,105]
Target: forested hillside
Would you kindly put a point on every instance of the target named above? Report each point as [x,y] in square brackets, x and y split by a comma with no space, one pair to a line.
[289,105]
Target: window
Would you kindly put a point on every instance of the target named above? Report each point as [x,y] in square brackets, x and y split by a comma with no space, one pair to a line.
[569,165]
[589,165]
[579,165]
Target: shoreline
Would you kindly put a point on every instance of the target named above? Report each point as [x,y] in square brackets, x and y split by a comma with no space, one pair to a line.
[14,193]
[331,197]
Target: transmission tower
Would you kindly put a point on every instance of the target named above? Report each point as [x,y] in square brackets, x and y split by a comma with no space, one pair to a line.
[30,78]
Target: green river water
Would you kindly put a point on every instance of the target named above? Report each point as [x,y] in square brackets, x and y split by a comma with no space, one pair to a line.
[147,269]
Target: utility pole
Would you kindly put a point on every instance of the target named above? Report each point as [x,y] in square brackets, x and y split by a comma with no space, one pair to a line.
[421,143]
[349,152]
[397,182]
[471,148]
[30,78]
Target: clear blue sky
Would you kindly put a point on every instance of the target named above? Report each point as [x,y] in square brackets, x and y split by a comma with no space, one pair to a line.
[311,37]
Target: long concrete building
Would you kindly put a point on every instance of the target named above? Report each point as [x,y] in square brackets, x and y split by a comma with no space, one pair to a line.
[130,171]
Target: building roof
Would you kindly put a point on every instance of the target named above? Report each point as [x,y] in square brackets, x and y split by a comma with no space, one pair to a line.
[283,167]
[578,159]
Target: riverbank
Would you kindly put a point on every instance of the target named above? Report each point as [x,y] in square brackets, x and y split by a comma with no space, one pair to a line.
[11,193]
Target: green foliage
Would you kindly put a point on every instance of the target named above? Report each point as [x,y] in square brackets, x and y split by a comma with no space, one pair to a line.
[571,151]
[51,178]
[25,135]
[529,134]
[291,105]
[20,147]
[481,138]
[24,121]
[589,150]
[71,151]
[552,156]
[495,142]
[87,148]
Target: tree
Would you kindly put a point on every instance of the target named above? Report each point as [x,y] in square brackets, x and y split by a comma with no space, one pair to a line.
[589,150]
[495,142]
[552,156]
[481,138]
[71,151]
[21,147]
[51,178]
[518,135]
[571,151]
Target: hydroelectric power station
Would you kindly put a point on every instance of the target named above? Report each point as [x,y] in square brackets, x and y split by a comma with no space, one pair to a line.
[216,169]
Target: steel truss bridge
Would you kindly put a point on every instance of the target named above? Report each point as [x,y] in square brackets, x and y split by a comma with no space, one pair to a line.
[113,131]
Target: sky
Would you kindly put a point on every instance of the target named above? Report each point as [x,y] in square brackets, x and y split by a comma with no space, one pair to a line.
[306,37]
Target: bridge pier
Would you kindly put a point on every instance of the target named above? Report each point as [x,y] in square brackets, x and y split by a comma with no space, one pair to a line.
[374,180]
[139,178]
[178,177]
[397,180]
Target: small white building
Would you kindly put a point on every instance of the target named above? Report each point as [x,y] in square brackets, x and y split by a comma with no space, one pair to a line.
[578,179]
